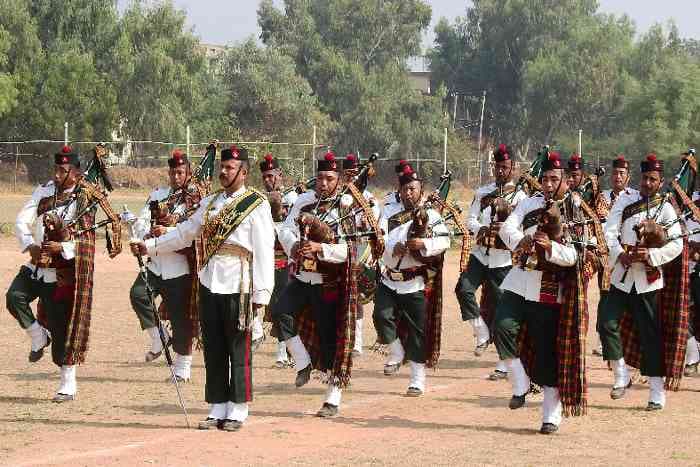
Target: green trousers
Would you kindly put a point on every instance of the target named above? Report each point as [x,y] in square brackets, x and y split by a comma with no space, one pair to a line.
[173,292]
[281,281]
[542,324]
[228,358]
[22,292]
[643,310]
[471,279]
[324,305]
[390,308]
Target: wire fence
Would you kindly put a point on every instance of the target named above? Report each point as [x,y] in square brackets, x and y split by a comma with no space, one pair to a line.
[136,167]
[138,164]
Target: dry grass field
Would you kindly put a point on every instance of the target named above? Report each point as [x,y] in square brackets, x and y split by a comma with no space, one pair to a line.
[126,414]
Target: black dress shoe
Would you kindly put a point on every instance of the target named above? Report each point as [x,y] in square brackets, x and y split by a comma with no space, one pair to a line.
[481,348]
[327,411]
[231,425]
[60,398]
[653,407]
[35,355]
[498,375]
[688,371]
[255,345]
[516,402]
[209,423]
[619,393]
[303,376]
[391,369]
[151,356]
[413,392]
[548,428]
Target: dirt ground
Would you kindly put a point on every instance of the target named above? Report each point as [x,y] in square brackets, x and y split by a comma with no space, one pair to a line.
[126,414]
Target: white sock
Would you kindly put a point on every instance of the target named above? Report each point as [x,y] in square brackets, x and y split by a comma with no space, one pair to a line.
[301,356]
[519,379]
[38,335]
[68,385]
[358,336]
[551,406]
[333,395]
[396,353]
[156,344]
[417,375]
[281,352]
[481,330]
[237,412]
[621,373]
[257,330]
[502,366]
[218,411]
[692,355]
[183,365]
[657,393]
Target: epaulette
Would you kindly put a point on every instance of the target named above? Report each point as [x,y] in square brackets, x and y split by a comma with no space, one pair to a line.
[47,184]
[258,192]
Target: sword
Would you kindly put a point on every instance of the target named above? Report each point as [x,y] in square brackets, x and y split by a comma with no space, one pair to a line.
[129,219]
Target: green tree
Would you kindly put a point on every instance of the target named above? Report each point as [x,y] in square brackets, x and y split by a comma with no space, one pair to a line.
[8,90]
[161,76]
[265,97]
[490,49]
[353,53]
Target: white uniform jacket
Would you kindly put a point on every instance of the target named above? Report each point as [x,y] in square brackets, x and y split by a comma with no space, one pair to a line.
[618,234]
[223,273]
[29,228]
[478,218]
[433,247]
[528,283]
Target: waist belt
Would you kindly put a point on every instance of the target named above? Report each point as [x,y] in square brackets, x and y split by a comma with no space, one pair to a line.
[229,249]
[404,275]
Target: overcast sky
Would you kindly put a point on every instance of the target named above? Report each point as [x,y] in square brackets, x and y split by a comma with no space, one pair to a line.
[227,21]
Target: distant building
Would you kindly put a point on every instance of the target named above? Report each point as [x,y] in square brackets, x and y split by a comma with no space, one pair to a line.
[419,74]
[212,51]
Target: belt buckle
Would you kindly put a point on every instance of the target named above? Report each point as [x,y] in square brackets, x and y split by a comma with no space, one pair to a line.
[309,265]
[396,276]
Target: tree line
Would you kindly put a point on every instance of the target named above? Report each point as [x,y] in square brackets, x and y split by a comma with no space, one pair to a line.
[552,67]
[549,68]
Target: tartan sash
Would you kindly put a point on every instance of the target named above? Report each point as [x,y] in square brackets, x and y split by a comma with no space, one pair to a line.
[532,218]
[489,198]
[399,219]
[50,203]
[640,206]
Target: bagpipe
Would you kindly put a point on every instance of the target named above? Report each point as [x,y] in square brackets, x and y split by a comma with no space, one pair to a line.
[190,194]
[566,221]
[351,204]
[529,181]
[90,193]
[650,233]
[549,221]
[500,210]
[279,207]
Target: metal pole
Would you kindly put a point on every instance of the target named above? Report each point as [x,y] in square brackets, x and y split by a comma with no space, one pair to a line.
[65,133]
[14,184]
[313,151]
[580,142]
[444,155]
[454,111]
[481,132]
